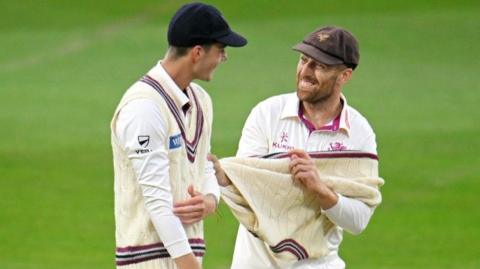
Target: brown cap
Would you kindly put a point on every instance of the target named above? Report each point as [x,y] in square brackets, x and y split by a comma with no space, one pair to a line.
[331,45]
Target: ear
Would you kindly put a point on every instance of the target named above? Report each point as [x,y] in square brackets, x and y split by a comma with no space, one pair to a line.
[196,53]
[345,76]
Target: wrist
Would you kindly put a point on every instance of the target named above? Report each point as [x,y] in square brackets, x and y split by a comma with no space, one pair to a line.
[188,261]
[328,198]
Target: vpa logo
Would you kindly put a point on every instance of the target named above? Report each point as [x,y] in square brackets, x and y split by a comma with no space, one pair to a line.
[143,140]
[175,141]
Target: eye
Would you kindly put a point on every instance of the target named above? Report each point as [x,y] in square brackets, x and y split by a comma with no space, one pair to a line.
[303,59]
[319,66]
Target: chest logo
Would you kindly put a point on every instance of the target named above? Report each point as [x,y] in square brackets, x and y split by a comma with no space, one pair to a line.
[337,146]
[283,144]
[284,137]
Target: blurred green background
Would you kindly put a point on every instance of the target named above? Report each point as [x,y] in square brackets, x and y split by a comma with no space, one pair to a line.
[65,64]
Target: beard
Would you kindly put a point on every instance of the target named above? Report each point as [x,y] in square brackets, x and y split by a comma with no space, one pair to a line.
[320,93]
[314,98]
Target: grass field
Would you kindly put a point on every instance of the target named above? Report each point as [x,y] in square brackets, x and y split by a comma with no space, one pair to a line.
[65,64]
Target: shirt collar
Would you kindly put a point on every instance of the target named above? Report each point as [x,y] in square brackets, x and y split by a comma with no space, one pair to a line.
[179,96]
[344,118]
[292,109]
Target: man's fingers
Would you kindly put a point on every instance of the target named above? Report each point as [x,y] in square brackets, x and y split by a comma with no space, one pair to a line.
[298,161]
[192,191]
[216,163]
[212,157]
[188,202]
[188,215]
[188,209]
[294,162]
[214,160]
[300,168]
[299,152]
[301,176]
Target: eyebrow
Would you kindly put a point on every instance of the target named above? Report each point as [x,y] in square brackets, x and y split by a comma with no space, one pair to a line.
[316,62]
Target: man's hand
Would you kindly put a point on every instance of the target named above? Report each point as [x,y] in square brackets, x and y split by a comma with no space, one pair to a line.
[222,178]
[187,261]
[305,174]
[195,208]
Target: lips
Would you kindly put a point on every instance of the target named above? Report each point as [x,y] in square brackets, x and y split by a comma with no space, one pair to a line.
[306,83]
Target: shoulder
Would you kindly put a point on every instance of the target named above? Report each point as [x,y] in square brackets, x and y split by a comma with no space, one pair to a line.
[140,106]
[140,90]
[141,110]
[359,123]
[199,90]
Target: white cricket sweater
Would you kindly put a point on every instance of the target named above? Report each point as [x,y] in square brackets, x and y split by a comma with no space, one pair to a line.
[287,218]
[137,241]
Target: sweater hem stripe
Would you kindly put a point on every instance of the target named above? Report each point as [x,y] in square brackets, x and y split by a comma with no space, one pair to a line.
[137,254]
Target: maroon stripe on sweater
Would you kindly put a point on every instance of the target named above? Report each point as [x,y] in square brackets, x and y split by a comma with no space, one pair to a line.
[136,254]
[324,155]
[291,246]
[156,256]
[191,147]
[155,245]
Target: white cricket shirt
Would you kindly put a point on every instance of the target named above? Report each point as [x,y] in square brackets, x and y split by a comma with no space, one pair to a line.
[278,125]
[141,117]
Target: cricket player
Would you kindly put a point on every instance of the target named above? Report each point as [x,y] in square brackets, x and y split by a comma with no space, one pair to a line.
[316,117]
[164,185]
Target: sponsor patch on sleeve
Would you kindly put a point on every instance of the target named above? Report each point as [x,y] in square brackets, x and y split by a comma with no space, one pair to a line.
[143,141]
[175,141]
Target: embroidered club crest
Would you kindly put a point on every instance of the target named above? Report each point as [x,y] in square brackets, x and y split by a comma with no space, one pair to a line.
[323,36]
[337,146]
[284,137]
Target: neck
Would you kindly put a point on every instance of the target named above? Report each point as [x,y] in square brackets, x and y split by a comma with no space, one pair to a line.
[322,112]
[179,71]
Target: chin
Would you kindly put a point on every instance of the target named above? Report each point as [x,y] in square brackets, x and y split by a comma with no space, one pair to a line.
[303,92]
[205,78]
[301,96]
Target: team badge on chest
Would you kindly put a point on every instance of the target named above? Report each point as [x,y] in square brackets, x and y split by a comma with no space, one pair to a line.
[337,146]
[283,144]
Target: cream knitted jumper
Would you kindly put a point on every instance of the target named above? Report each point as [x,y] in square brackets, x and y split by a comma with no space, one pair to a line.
[138,244]
[287,218]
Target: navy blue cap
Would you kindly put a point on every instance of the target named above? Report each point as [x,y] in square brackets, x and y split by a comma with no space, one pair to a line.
[197,24]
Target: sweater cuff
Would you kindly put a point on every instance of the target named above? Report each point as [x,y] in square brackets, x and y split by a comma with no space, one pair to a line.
[210,186]
[179,248]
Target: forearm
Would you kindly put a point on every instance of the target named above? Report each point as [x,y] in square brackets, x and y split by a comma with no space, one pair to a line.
[210,185]
[169,229]
[153,178]
[350,214]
